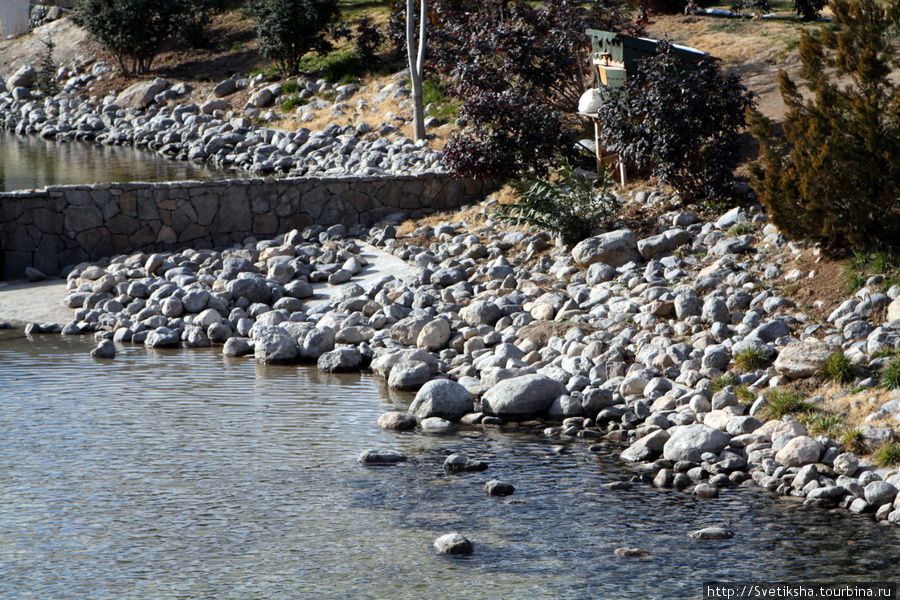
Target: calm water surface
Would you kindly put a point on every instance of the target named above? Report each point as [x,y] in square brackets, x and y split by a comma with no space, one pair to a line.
[29,162]
[183,474]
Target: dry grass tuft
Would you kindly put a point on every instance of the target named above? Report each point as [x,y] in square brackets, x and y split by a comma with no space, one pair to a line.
[857,406]
[474,216]
[373,115]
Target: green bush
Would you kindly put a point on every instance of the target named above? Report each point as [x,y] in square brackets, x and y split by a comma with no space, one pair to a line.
[131,30]
[834,176]
[681,121]
[288,29]
[570,207]
[838,368]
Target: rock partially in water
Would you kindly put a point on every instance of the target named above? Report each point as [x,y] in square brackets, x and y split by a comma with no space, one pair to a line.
[162,337]
[630,552]
[453,544]
[495,487]
[237,346]
[442,398]
[105,349]
[457,463]
[712,533]
[380,457]
[397,421]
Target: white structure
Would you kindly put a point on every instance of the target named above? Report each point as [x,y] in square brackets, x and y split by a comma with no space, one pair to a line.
[14,17]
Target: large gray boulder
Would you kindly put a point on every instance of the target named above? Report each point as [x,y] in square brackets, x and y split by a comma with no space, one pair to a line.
[481,313]
[879,493]
[141,94]
[410,375]
[316,342]
[24,77]
[265,96]
[340,360]
[801,450]
[162,337]
[893,310]
[383,365]
[442,398]
[616,248]
[254,289]
[690,442]
[237,346]
[803,359]
[434,335]
[406,331]
[380,457]
[521,397]
[274,345]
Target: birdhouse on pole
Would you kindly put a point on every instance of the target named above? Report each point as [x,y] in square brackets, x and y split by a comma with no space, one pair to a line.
[614,57]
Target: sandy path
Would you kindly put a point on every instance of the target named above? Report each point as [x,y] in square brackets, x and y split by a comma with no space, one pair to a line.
[34,302]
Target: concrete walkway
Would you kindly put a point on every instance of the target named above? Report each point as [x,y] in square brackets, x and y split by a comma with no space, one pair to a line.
[41,302]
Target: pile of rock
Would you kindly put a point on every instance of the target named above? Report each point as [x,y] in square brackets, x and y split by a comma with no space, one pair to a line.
[148,115]
[619,339]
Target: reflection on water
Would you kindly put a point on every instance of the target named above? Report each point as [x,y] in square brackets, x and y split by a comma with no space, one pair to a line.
[184,474]
[29,162]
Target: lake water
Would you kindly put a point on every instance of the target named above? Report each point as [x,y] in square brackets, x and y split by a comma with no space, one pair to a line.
[29,162]
[185,474]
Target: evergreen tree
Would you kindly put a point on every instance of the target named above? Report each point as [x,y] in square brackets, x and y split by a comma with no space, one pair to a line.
[834,176]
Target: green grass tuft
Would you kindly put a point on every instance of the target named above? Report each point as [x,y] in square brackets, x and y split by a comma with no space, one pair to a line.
[782,403]
[751,359]
[291,102]
[434,93]
[826,424]
[890,375]
[838,368]
[886,352]
[854,441]
[887,455]
[721,382]
[744,228]
[745,394]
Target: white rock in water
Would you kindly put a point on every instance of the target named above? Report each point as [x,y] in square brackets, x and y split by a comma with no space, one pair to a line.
[712,533]
[453,543]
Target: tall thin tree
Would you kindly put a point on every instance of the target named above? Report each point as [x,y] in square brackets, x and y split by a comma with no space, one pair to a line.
[416,62]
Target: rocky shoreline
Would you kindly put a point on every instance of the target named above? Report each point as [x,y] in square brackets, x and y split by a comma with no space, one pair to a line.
[158,116]
[617,342]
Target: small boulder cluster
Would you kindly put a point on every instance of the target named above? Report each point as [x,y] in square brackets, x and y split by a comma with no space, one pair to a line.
[160,116]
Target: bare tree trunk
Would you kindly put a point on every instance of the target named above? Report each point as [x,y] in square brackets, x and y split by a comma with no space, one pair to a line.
[416,63]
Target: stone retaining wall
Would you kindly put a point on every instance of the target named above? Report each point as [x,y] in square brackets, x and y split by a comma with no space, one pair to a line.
[64,225]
